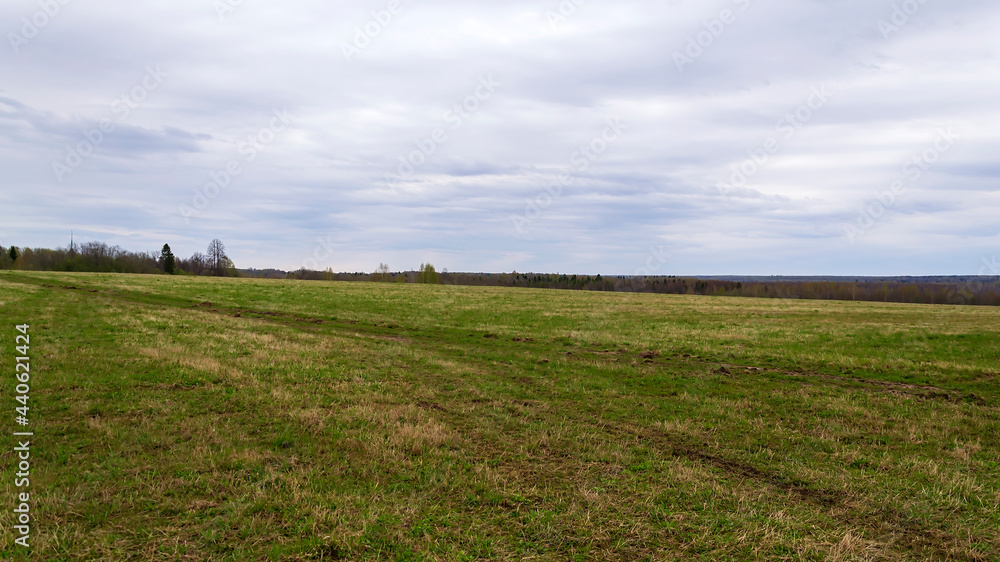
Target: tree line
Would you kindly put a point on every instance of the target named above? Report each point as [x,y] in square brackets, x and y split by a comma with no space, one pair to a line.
[99,257]
[426,274]
[971,290]
[102,258]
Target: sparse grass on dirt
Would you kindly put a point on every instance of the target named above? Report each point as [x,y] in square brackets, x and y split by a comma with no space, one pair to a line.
[227,419]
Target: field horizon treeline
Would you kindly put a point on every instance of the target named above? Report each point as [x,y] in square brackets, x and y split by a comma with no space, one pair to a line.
[976,290]
[969,290]
[99,257]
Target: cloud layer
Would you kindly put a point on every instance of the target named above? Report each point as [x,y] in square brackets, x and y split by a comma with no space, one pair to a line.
[584,136]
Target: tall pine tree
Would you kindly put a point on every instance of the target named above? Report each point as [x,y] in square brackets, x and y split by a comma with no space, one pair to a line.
[167,260]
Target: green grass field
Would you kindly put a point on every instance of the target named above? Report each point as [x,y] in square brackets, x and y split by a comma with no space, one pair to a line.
[182,418]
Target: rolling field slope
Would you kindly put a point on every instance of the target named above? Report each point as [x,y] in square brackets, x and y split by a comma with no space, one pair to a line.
[181,418]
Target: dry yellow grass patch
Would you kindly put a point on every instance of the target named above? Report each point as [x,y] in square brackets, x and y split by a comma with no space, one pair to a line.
[854,547]
[404,429]
[312,419]
[100,425]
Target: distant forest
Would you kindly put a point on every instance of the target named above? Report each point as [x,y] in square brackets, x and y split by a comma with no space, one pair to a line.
[967,290]
[99,257]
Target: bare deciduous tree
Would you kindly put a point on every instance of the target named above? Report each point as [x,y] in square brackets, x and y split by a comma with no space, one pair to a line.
[382,273]
[217,258]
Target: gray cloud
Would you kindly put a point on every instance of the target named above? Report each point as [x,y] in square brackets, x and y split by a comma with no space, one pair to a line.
[323,177]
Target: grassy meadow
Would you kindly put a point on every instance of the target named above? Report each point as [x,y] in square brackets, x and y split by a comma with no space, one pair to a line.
[182,418]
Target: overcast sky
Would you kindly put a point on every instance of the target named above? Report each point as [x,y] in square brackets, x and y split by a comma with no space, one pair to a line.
[670,137]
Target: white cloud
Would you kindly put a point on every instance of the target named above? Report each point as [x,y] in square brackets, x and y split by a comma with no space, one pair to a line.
[656,186]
